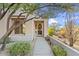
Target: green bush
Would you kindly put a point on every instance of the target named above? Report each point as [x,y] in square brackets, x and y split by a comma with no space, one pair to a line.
[50,31]
[58,51]
[20,48]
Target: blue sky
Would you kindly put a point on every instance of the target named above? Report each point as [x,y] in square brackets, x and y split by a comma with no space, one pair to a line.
[61,19]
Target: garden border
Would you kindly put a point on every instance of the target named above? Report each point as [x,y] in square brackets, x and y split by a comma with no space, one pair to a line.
[70,50]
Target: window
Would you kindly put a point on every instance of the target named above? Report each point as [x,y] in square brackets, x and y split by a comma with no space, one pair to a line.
[19,30]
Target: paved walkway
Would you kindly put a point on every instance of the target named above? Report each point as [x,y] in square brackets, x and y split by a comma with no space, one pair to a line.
[41,47]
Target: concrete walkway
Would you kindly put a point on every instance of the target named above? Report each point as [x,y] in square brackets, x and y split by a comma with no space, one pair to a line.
[41,47]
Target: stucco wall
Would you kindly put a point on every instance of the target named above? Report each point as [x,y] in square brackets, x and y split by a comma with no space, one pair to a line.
[28,27]
[3,25]
[45,27]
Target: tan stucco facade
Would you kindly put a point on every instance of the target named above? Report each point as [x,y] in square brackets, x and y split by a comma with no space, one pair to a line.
[28,27]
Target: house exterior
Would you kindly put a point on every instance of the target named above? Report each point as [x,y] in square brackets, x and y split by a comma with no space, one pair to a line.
[34,27]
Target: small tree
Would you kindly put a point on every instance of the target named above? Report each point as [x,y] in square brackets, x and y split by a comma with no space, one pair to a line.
[62,32]
[51,31]
[71,33]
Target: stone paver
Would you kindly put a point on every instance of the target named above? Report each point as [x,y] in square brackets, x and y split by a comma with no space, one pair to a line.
[41,48]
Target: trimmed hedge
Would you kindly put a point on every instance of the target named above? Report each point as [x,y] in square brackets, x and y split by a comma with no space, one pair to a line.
[58,51]
[19,48]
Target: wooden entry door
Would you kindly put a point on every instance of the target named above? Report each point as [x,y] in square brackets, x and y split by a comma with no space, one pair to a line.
[39,28]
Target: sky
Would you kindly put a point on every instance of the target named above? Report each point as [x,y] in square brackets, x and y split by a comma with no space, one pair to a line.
[60,19]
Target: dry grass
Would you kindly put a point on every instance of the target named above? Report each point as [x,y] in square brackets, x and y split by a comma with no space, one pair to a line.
[76,44]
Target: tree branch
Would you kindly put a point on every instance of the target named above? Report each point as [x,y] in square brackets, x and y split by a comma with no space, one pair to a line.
[6,10]
[11,15]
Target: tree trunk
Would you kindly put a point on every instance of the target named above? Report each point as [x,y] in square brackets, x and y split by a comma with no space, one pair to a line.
[3,14]
[8,20]
[71,42]
[6,35]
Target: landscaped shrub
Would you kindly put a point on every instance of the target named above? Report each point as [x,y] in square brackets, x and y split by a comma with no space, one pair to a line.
[58,51]
[50,31]
[20,48]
